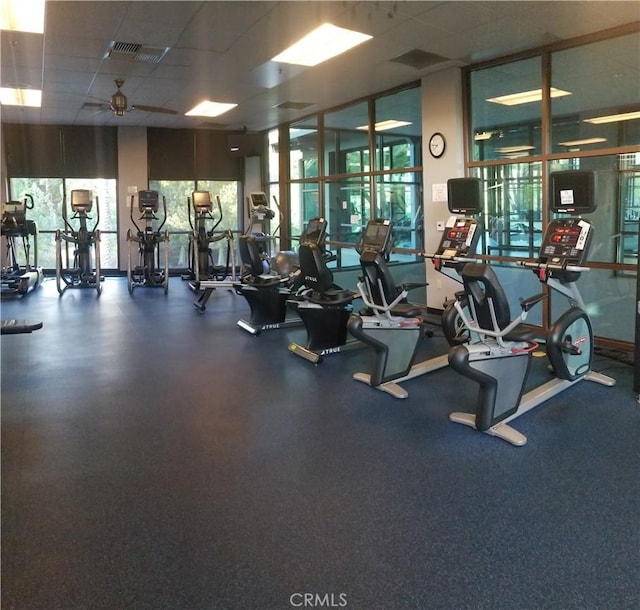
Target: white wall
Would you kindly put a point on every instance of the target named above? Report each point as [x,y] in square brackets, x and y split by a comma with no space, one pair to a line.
[441,112]
[132,177]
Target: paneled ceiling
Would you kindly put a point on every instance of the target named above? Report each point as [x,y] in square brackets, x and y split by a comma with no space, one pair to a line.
[221,50]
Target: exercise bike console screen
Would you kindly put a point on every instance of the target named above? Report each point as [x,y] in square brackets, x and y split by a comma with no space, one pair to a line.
[377,237]
[315,231]
[459,239]
[566,242]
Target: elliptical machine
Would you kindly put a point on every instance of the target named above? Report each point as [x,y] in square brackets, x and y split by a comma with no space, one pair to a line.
[17,279]
[204,275]
[148,272]
[499,362]
[394,338]
[82,274]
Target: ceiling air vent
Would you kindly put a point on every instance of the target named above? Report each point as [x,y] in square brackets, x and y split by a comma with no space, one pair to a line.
[132,51]
[419,59]
[293,105]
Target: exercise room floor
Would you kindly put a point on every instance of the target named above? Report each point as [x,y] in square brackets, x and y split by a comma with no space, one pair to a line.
[153,457]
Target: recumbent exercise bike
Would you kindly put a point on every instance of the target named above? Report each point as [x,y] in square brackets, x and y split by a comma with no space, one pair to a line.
[499,362]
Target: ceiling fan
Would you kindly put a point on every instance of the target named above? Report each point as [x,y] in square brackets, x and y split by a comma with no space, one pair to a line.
[118,104]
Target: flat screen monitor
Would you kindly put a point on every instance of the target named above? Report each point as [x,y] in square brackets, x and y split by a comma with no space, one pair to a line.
[81,199]
[315,231]
[464,196]
[201,199]
[376,236]
[572,191]
[258,199]
[148,200]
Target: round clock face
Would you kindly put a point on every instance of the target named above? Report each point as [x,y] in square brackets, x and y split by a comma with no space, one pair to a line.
[436,145]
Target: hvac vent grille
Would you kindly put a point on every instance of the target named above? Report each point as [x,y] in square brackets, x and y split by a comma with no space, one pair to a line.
[293,105]
[419,59]
[132,51]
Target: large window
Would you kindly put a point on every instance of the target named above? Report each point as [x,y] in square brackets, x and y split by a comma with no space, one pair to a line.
[49,197]
[506,111]
[48,162]
[177,194]
[356,163]
[571,107]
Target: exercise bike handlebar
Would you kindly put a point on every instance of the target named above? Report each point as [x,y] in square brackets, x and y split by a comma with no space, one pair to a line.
[552,266]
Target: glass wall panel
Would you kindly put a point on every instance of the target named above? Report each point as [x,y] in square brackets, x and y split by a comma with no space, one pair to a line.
[399,197]
[303,149]
[506,110]
[346,140]
[512,216]
[304,205]
[577,118]
[398,129]
[347,209]
[617,195]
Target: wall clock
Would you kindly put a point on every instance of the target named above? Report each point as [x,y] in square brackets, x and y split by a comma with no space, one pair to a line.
[437,145]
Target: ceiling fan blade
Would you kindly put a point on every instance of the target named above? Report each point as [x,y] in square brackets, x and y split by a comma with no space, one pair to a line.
[158,109]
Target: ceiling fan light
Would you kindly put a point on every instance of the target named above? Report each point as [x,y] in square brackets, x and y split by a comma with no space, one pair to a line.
[119,103]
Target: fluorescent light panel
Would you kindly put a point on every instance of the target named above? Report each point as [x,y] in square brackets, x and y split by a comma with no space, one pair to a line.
[22,15]
[514,149]
[613,118]
[20,97]
[525,97]
[384,125]
[583,142]
[210,109]
[323,43]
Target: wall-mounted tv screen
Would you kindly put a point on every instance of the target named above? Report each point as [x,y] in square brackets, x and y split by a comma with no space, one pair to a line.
[572,191]
[464,196]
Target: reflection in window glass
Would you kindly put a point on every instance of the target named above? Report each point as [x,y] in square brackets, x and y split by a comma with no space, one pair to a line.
[615,220]
[512,214]
[346,140]
[303,150]
[398,126]
[303,199]
[347,204]
[399,198]
[583,120]
[506,110]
